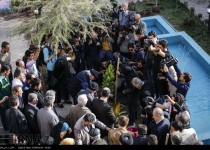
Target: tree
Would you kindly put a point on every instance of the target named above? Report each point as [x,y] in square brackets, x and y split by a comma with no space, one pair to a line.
[62,18]
[109,78]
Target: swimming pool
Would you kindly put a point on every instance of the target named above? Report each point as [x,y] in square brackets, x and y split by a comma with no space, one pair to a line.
[193,59]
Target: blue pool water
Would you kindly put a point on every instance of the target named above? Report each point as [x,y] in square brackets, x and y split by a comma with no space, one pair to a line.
[193,59]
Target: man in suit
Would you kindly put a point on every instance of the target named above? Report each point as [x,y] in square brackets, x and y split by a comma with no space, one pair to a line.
[31,113]
[104,111]
[141,139]
[160,127]
[114,135]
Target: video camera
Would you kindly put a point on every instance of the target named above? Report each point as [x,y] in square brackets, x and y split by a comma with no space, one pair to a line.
[147,101]
[169,61]
[149,42]
[131,21]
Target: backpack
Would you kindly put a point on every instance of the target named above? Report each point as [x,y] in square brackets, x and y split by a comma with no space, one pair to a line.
[40,59]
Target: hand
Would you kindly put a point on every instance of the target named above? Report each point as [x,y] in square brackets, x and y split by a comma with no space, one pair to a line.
[123,92]
[107,128]
[120,35]
[97,43]
[151,99]
[126,37]
[117,73]
[5,98]
[133,27]
[68,58]
[165,68]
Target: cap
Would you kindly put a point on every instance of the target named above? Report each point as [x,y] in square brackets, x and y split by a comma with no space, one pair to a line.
[47,140]
[126,139]
[67,141]
[93,86]
[94,132]
[94,73]
[65,127]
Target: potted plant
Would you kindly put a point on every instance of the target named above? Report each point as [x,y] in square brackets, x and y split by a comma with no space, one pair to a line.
[109,78]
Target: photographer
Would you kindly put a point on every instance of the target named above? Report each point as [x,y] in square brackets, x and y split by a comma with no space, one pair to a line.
[92,47]
[139,67]
[123,40]
[136,53]
[160,51]
[123,14]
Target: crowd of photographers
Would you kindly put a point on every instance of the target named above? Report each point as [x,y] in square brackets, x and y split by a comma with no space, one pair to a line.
[149,77]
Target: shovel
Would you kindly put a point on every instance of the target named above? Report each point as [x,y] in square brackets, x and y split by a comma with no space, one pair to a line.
[116,107]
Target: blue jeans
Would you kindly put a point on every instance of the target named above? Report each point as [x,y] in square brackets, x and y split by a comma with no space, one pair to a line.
[104,53]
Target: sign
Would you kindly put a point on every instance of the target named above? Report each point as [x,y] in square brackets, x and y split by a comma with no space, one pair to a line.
[5,6]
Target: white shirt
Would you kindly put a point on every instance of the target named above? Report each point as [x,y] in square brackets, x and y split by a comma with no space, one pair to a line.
[16,81]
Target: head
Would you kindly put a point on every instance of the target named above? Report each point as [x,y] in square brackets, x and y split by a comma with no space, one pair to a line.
[29,54]
[29,77]
[17,91]
[67,141]
[53,44]
[95,133]
[105,92]
[5,47]
[17,74]
[20,63]
[152,34]
[137,18]
[163,44]
[124,7]
[137,83]
[93,74]
[126,139]
[82,100]
[116,55]
[184,118]
[123,121]
[142,129]
[89,119]
[179,98]
[77,37]
[157,114]
[5,70]
[185,77]
[49,99]
[176,126]
[93,87]
[152,139]
[32,98]
[176,138]
[14,101]
[36,84]
[131,48]
[149,110]
[140,33]
[104,63]
[140,62]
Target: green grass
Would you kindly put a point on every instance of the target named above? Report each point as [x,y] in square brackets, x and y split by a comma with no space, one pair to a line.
[175,13]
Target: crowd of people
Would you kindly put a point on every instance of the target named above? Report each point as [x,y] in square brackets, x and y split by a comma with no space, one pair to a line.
[149,77]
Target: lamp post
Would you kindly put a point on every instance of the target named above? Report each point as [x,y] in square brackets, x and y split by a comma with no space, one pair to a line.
[208,11]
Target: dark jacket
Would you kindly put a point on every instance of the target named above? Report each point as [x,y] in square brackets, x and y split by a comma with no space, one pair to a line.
[104,113]
[55,133]
[92,50]
[16,121]
[160,130]
[39,95]
[100,142]
[78,82]
[31,117]
[140,140]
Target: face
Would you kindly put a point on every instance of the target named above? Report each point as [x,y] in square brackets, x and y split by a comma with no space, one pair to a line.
[131,50]
[92,77]
[35,101]
[155,117]
[7,72]
[139,64]
[31,56]
[21,64]
[87,123]
[20,92]
[181,78]
[53,44]
[38,87]
[172,130]
[160,47]
[7,48]
[104,64]
[77,39]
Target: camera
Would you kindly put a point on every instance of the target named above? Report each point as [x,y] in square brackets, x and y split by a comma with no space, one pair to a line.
[131,21]
[147,101]
[164,97]
[169,61]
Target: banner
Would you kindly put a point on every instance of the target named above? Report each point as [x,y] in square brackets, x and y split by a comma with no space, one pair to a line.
[5,6]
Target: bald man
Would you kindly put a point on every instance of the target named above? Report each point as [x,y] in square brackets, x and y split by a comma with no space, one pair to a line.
[139,24]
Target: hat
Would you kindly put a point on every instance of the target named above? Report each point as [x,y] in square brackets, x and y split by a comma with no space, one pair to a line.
[94,132]
[93,86]
[126,139]
[67,141]
[47,140]
[65,127]
[94,73]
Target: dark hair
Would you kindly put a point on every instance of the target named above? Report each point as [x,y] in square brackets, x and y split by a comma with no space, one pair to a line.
[148,111]
[29,76]
[35,82]
[89,117]
[4,44]
[103,60]
[105,92]
[152,139]
[141,60]
[164,43]
[4,68]
[131,45]
[142,129]
[14,100]
[76,35]
[123,121]
[28,53]
[17,62]
[139,31]
[187,76]
[152,33]
[17,73]
[177,125]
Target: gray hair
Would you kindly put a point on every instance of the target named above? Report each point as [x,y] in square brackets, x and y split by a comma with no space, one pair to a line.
[125,4]
[158,111]
[176,137]
[96,137]
[184,118]
[82,100]
[137,82]
[49,98]
[31,97]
